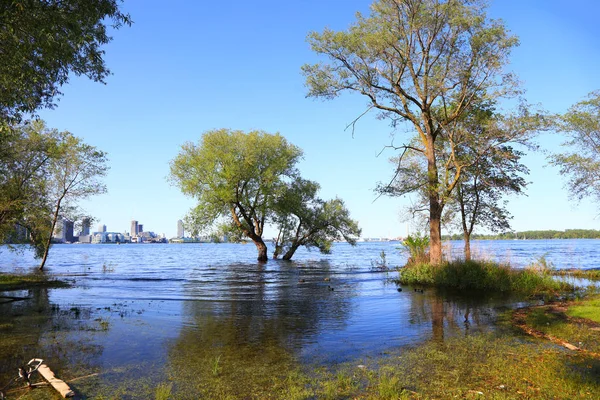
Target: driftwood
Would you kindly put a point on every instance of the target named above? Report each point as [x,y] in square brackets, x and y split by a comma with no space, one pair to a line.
[62,388]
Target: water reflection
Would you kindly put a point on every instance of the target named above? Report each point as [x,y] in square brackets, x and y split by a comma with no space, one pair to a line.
[196,315]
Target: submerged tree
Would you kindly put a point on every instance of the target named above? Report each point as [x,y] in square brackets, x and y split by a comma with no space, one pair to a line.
[44,41]
[303,219]
[74,174]
[236,178]
[424,62]
[581,165]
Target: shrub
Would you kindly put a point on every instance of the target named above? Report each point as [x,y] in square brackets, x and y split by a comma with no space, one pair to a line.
[417,247]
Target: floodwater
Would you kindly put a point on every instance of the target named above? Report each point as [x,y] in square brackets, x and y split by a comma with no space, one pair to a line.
[143,311]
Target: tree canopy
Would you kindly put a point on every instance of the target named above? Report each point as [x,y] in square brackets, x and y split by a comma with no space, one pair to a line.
[43,173]
[235,178]
[75,172]
[43,41]
[424,62]
[303,219]
[580,163]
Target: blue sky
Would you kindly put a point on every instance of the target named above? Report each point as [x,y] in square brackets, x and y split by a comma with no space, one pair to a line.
[185,67]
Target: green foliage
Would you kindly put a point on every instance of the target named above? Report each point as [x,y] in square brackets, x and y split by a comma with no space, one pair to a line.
[235,178]
[588,309]
[581,163]
[44,42]
[482,275]
[43,173]
[25,156]
[303,219]
[417,246]
[425,63]
[75,173]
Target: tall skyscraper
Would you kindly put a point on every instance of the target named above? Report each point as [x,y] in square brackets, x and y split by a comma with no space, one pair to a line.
[101,228]
[85,226]
[180,230]
[134,228]
[68,227]
[140,228]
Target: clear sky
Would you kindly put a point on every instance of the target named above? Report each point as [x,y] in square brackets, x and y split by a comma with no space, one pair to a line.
[185,67]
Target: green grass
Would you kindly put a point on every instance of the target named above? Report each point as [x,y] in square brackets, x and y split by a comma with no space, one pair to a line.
[484,276]
[574,322]
[587,308]
[21,281]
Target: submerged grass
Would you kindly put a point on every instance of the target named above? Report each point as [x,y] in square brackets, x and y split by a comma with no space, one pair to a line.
[591,274]
[482,275]
[27,281]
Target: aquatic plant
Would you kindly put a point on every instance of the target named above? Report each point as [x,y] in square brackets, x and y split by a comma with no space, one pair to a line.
[163,391]
[417,247]
[381,264]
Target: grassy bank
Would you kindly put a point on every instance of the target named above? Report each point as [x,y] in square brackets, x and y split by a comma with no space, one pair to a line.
[574,325]
[482,275]
[27,281]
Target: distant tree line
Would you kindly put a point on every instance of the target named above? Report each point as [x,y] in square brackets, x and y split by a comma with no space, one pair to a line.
[547,234]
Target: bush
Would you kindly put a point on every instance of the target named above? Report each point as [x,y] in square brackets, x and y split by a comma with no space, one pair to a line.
[481,275]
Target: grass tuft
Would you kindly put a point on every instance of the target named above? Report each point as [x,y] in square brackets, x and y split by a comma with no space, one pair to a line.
[482,275]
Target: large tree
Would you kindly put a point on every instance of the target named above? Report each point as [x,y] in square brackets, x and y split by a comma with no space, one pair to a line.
[423,62]
[43,41]
[486,146]
[75,173]
[581,163]
[236,178]
[303,219]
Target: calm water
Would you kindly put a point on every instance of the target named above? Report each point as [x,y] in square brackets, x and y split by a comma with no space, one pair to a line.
[135,305]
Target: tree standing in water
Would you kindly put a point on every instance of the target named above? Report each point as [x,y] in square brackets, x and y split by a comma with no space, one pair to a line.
[303,219]
[74,174]
[236,178]
[424,62]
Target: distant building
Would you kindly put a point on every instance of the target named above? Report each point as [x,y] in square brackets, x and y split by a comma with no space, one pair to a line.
[85,226]
[180,230]
[134,228]
[101,228]
[69,237]
[85,239]
[63,231]
[140,228]
[108,237]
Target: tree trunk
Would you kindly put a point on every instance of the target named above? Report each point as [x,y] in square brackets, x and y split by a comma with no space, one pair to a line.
[463,217]
[49,241]
[435,232]
[435,206]
[467,239]
[290,253]
[262,249]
